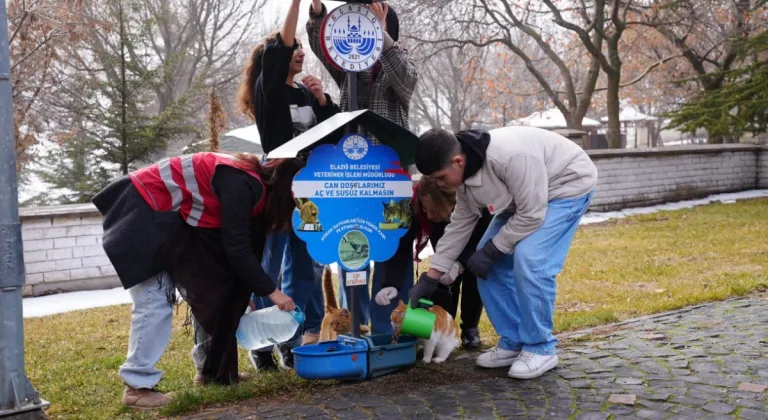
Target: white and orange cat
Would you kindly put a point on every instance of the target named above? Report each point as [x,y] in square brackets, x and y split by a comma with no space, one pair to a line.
[445,335]
[336,320]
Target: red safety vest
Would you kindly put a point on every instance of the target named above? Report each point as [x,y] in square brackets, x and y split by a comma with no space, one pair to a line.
[183,184]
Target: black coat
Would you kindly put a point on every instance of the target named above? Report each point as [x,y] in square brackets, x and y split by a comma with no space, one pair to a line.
[134,233]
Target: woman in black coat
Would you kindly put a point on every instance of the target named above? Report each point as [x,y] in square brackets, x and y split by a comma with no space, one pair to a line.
[196,223]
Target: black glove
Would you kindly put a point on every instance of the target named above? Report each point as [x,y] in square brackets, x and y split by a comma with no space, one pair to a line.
[425,287]
[480,262]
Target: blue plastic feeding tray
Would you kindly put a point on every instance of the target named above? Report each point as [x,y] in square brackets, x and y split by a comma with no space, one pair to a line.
[351,358]
[385,357]
[346,358]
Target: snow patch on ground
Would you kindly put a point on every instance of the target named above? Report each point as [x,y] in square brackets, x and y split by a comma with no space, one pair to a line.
[66,302]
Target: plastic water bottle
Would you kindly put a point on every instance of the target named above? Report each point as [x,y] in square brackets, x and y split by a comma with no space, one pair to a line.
[268,326]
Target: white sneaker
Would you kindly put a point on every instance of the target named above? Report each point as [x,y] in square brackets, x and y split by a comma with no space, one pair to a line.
[497,357]
[529,365]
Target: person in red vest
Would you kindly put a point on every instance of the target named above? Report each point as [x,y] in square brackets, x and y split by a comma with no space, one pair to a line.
[196,223]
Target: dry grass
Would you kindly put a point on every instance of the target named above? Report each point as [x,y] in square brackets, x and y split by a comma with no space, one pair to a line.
[615,271]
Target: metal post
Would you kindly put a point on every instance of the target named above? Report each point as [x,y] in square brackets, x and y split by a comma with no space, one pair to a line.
[352,83]
[17,395]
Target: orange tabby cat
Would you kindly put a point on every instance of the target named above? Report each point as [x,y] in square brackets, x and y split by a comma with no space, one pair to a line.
[445,335]
[336,320]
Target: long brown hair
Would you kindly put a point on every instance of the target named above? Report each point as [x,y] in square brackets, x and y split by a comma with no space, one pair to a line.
[251,74]
[277,176]
[442,199]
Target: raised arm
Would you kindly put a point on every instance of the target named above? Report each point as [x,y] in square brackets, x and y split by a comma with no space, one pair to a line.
[317,13]
[396,63]
[288,32]
[276,61]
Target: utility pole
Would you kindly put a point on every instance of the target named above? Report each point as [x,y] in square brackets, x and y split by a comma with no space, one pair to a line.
[18,398]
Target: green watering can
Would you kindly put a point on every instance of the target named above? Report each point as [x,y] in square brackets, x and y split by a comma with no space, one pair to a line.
[419,322]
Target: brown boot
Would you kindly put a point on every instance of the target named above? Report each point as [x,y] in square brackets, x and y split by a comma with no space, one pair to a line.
[144,398]
[310,338]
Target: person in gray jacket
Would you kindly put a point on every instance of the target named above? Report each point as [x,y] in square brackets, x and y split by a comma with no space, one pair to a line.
[537,184]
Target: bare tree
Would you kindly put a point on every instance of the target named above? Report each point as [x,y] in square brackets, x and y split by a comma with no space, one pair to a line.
[703,33]
[597,25]
[201,41]
[196,45]
[38,31]
[451,91]
[482,23]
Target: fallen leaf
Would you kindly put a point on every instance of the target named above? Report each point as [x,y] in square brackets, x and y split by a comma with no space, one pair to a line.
[749,387]
[653,336]
[626,399]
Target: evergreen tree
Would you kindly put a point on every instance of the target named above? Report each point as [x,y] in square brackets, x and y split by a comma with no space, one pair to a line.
[130,131]
[77,174]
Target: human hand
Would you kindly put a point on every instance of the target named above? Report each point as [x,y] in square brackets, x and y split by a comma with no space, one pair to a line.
[425,287]
[380,10]
[317,6]
[282,301]
[480,262]
[385,296]
[448,278]
[315,86]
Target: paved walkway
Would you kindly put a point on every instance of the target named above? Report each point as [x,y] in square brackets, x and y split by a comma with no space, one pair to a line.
[689,364]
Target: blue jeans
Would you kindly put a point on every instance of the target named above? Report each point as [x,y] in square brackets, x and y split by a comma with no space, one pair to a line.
[519,294]
[151,324]
[301,279]
[367,310]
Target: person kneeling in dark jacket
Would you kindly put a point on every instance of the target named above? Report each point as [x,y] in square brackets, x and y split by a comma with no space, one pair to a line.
[432,206]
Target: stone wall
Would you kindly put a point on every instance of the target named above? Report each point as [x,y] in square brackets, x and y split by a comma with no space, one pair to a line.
[762,168]
[632,178]
[63,252]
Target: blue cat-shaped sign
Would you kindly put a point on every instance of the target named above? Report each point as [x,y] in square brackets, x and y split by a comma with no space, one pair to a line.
[353,203]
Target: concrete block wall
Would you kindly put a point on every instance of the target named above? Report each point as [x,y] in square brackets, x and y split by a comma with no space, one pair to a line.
[62,250]
[762,168]
[633,178]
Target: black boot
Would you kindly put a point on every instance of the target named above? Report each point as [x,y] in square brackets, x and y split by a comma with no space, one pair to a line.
[470,338]
[262,360]
[285,355]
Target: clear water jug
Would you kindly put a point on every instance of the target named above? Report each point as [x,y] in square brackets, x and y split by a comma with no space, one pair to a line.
[268,326]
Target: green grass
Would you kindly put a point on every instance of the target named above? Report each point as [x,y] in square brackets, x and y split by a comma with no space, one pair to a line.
[615,271]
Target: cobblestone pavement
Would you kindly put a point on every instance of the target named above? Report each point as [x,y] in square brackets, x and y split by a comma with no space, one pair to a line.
[684,365]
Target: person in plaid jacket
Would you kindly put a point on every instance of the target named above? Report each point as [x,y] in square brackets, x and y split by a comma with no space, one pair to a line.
[385,89]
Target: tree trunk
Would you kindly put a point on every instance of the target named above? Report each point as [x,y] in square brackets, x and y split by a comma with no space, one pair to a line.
[613,134]
[655,131]
[575,120]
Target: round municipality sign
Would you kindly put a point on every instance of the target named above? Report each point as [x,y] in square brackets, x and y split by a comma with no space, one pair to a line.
[355,146]
[352,38]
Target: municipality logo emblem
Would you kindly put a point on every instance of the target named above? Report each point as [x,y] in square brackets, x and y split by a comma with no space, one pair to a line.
[352,38]
[355,146]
